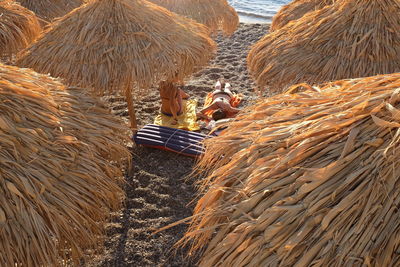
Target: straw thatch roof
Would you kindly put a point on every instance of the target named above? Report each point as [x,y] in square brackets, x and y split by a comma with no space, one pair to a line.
[295,10]
[348,39]
[60,165]
[215,14]
[50,9]
[18,27]
[305,179]
[106,44]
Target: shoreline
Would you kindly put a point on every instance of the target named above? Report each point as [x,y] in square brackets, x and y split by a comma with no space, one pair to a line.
[253,19]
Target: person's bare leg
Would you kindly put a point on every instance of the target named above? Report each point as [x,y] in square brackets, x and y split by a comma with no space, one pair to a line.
[232,109]
[202,116]
[179,104]
[228,87]
[214,105]
[225,106]
[174,110]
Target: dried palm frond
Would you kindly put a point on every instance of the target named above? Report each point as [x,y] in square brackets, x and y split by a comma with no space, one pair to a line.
[109,45]
[18,28]
[60,169]
[215,14]
[348,39]
[50,9]
[305,179]
[295,10]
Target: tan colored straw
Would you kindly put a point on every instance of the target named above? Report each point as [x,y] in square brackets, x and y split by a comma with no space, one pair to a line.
[348,39]
[61,162]
[50,9]
[215,14]
[305,179]
[18,28]
[295,10]
[111,45]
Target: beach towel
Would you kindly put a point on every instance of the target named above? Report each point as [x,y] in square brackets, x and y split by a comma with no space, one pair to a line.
[179,141]
[235,101]
[186,121]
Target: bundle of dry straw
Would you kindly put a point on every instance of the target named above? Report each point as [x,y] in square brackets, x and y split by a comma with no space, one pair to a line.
[295,10]
[105,43]
[348,39]
[50,9]
[18,28]
[60,165]
[111,44]
[307,179]
[215,14]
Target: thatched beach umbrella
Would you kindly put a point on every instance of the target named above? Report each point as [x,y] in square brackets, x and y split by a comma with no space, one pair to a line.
[18,28]
[295,10]
[50,9]
[305,179]
[57,183]
[348,39]
[215,14]
[110,45]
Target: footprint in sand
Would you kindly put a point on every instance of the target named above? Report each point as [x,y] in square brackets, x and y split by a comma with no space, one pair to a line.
[114,99]
[119,107]
[215,70]
[150,109]
[213,76]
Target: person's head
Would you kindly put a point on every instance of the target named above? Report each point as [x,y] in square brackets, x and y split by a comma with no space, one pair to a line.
[218,114]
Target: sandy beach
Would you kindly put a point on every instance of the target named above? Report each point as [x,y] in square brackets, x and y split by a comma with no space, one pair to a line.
[159,190]
[307,174]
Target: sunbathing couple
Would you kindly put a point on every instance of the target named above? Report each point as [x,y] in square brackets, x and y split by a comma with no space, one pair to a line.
[172,96]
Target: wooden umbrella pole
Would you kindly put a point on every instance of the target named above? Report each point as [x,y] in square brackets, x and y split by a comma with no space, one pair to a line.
[131,107]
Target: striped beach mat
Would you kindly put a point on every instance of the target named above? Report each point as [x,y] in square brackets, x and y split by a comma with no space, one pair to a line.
[176,140]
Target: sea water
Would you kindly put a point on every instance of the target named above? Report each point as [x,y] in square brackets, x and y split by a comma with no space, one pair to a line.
[257,11]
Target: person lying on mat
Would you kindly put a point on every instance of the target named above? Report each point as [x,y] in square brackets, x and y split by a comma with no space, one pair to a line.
[171,100]
[221,103]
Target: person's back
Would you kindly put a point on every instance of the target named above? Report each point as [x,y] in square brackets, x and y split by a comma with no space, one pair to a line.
[169,101]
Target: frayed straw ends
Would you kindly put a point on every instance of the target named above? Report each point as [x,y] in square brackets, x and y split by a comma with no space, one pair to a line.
[295,10]
[347,39]
[215,14]
[58,184]
[305,179]
[18,28]
[109,44]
